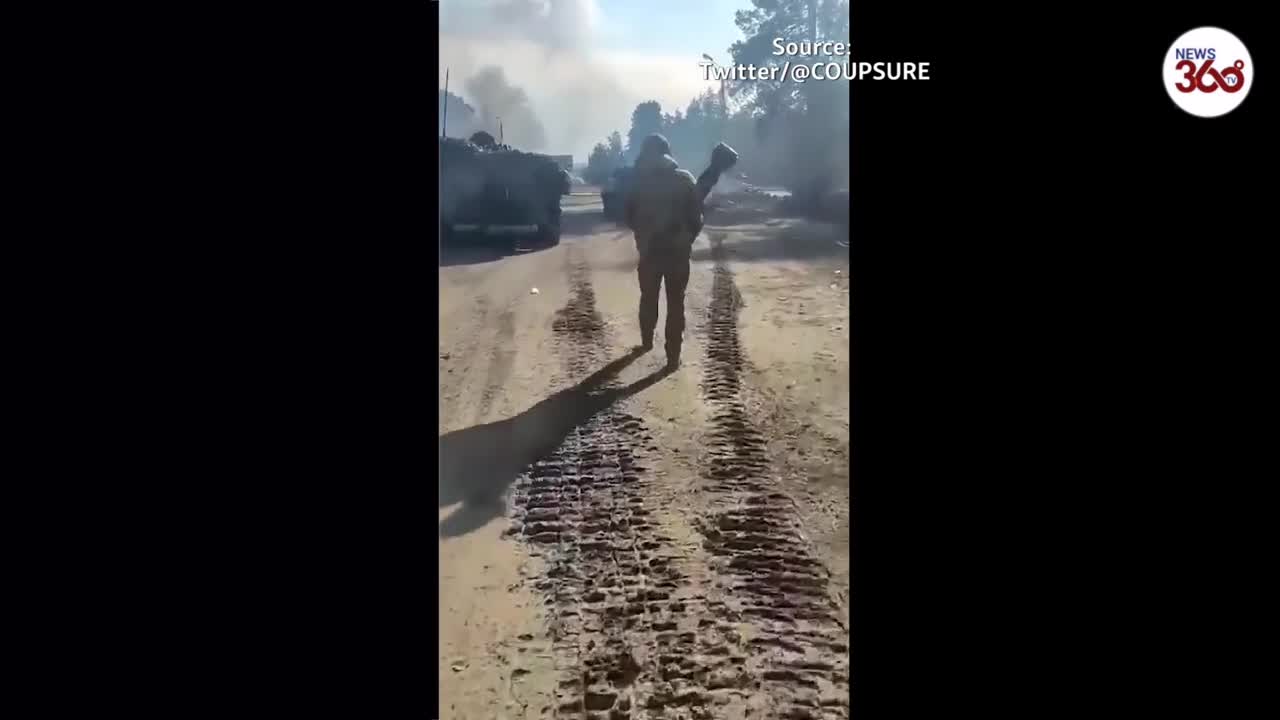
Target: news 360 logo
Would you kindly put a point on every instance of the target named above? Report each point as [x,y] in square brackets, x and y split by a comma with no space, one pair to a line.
[1208,72]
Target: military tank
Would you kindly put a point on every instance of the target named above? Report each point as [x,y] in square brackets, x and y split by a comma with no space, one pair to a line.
[494,192]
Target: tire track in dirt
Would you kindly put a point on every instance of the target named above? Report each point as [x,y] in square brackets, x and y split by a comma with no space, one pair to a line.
[461,358]
[623,619]
[504,355]
[797,663]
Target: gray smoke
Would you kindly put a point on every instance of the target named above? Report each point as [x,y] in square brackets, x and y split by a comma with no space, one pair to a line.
[557,24]
[505,108]
[483,29]
[577,89]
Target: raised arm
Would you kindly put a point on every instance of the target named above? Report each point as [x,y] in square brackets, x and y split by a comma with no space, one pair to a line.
[706,181]
[723,157]
[691,213]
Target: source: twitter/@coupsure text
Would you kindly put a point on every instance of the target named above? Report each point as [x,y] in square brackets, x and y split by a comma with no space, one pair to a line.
[839,65]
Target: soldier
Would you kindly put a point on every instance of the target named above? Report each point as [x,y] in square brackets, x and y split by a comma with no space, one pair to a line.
[664,209]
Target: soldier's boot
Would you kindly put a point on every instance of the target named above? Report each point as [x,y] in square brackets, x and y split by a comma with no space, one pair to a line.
[673,355]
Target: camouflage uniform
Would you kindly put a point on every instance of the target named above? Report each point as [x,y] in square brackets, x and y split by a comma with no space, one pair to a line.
[664,209]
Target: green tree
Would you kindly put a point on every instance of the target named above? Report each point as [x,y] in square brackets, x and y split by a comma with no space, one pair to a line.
[599,165]
[646,119]
[605,157]
[805,126]
[694,132]
[616,154]
[788,21]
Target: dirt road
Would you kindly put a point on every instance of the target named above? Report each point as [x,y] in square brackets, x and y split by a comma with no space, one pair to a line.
[619,541]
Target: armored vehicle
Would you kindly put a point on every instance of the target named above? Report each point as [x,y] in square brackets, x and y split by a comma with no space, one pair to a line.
[493,191]
[614,192]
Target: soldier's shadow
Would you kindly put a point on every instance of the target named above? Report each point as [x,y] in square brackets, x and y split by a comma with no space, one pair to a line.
[478,464]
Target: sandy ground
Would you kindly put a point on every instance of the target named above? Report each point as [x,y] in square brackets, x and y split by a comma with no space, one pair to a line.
[621,541]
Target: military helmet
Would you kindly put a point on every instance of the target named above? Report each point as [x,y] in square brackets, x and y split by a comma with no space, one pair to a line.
[655,144]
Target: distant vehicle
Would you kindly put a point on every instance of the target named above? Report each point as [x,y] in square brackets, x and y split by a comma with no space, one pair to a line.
[489,190]
[614,193]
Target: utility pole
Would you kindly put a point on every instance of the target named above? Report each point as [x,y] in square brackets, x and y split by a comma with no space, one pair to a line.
[724,99]
[813,20]
[724,112]
[445,122]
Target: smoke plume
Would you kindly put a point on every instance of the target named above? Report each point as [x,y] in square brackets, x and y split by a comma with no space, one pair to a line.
[499,104]
[548,50]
